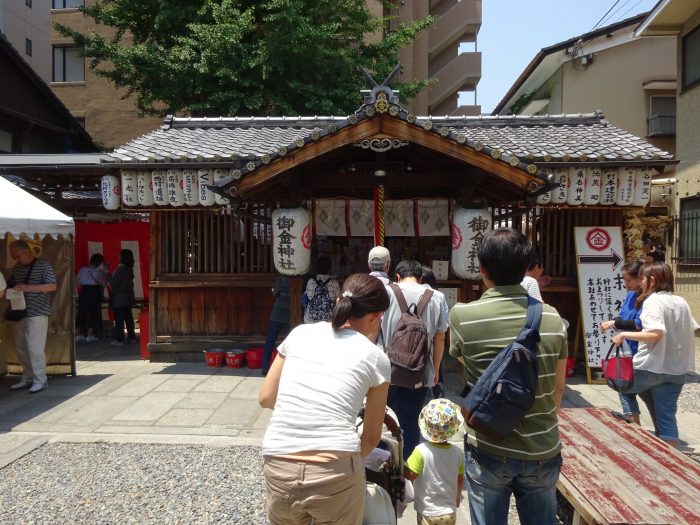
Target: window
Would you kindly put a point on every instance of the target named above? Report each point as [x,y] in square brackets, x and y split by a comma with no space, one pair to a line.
[68,64]
[689,231]
[691,58]
[28,47]
[67,4]
[662,116]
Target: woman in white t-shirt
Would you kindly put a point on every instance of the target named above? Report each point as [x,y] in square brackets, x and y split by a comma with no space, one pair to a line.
[316,386]
[666,352]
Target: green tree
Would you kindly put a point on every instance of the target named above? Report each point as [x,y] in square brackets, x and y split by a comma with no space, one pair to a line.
[229,57]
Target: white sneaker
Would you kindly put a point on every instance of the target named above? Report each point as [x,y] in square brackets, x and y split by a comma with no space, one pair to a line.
[37,387]
[22,383]
[91,339]
[117,343]
[80,338]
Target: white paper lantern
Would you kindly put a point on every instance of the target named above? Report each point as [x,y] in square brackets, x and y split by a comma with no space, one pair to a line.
[642,187]
[625,186]
[608,186]
[576,186]
[129,194]
[218,176]
[545,198]
[591,195]
[561,175]
[176,195]
[468,227]
[189,187]
[160,187]
[206,196]
[111,192]
[291,240]
[144,188]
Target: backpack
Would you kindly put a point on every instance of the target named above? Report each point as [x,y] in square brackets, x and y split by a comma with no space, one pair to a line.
[320,306]
[504,393]
[409,348]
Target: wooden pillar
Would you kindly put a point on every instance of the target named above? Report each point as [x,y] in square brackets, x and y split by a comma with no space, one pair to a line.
[154,258]
[295,310]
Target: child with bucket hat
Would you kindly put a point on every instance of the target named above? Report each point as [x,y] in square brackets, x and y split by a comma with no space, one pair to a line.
[436,467]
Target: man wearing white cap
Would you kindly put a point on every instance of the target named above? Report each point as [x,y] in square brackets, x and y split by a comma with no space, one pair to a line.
[379,262]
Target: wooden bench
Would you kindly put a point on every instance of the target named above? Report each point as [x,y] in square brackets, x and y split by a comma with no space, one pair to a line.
[619,473]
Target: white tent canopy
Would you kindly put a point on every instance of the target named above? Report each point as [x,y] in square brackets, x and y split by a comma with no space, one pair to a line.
[21,212]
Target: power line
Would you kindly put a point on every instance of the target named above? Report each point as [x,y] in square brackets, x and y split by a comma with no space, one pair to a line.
[609,19]
[606,14]
[630,9]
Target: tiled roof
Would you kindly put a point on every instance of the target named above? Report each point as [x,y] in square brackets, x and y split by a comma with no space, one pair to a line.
[527,143]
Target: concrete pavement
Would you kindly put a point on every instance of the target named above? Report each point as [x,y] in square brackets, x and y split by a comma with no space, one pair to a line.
[117,397]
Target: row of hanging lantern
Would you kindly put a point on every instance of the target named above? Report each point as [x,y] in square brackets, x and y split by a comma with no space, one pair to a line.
[627,186]
[162,188]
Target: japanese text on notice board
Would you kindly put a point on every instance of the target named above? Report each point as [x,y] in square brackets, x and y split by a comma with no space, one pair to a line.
[599,257]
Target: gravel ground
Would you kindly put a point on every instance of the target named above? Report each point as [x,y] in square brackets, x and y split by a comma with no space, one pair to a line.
[126,483]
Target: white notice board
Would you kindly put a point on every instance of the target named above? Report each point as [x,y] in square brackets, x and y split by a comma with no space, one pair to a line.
[599,261]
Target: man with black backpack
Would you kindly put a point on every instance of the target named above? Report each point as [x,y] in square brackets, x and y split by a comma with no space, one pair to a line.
[526,460]
[321,293]
[413,335]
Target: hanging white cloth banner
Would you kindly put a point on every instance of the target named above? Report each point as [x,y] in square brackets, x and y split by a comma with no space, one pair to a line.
[361,218]
[625,186]
[577,184]
[433,217]
[205,179]
[160,189]
[591,195]
[219,175]
[608,186]
[144,188]
[642,187]
[111,192]
[329,217]
[468,228]
[129,194]
[398,218]
[189,187]
[176,196]
[291,240]
[561,176]
[545,198]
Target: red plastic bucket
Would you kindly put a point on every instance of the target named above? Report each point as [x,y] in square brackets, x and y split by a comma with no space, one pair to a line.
[214,358]
[253,357]
[570,366]
[235,358]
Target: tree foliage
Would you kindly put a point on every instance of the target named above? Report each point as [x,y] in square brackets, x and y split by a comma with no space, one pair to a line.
[252,57]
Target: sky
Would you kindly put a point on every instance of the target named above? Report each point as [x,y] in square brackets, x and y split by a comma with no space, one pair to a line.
[514,31]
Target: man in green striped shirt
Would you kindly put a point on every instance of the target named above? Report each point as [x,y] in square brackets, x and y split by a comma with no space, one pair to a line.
[527,461]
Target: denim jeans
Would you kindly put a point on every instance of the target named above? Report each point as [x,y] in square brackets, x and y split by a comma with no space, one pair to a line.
[665,390]
[273,330]
[492,480]
[407,404]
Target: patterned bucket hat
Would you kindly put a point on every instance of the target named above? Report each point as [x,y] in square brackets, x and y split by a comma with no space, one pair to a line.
[440,420]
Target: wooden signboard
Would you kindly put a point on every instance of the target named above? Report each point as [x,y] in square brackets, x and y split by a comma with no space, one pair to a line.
[599,261]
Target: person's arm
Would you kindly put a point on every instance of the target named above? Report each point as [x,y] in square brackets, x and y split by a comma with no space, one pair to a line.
[649,336]
[409,474]
[267,397]
[460,488]
[438,351]
[560,381]
[375,408]
[49,287]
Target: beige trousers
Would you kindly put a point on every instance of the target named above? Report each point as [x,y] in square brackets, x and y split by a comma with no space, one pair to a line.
[30,344]
[301,493]
[445,519]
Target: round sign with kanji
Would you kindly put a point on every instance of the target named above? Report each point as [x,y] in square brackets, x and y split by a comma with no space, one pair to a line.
[598,239]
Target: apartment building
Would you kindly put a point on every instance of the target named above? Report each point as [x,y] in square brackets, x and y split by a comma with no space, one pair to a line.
[447,53]
[25,24]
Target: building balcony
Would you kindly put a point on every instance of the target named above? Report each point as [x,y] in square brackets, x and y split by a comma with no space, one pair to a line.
[460,74]
[661,126]
[456,24]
